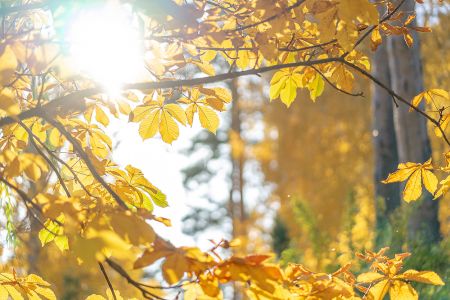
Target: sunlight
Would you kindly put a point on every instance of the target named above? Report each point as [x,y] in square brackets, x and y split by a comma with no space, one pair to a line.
[104,43]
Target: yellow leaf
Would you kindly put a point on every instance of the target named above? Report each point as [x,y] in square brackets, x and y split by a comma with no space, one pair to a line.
[8,102]
[3,293]
[149,257]
[284,84]
[62,242]
[195,291]
[53,231]
[402,291]
[408,39]
[46,293]
[343,78]
[347,35]
[363,10]
[15,295]
[288,92]
[168,128]
[404,171]
[430,181]
[149,125]
[208,55]
[433,95]
[177,112]
[375,39]
[445,186]
[222,94]
[190,112]
[8,64]
[275,88]
[132,229]
[415,174]
[174,268]
[423,276]
[369,277]
[413,187]
[316,87]
[101,116]
[208,118]
[379,290]
[205,67]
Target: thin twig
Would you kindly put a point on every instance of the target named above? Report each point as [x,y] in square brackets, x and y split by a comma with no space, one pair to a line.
[145,293]
[107,280]
[41,153]
[360,94]
[398,97]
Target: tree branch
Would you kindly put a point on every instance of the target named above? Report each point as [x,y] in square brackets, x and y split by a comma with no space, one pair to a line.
[107,280]
[71,102]
[145,293]
[398,97]
[79,150]
[360,94]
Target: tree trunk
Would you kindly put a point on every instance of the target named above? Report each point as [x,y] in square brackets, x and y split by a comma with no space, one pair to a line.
[411,129]
[387,196]
[237,173]
[236,202]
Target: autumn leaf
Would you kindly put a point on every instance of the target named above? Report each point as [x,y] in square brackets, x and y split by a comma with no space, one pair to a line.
[375,39]
[416,174]
[8,103]
[316,87]
[200,105]
[135,189]
[284,85]
[33,286]
[428,277]
[155,115]
[435,96]
[177,261]
[389,279]
[54,231]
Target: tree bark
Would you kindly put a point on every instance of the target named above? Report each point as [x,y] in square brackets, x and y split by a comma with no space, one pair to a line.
[384,139]
[413,142]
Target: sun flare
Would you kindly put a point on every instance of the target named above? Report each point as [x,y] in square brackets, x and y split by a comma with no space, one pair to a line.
[105,45]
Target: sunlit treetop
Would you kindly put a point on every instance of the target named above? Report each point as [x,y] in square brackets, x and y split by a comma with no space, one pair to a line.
[67,67]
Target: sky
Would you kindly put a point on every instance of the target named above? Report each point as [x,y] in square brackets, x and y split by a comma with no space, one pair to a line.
[161,164]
